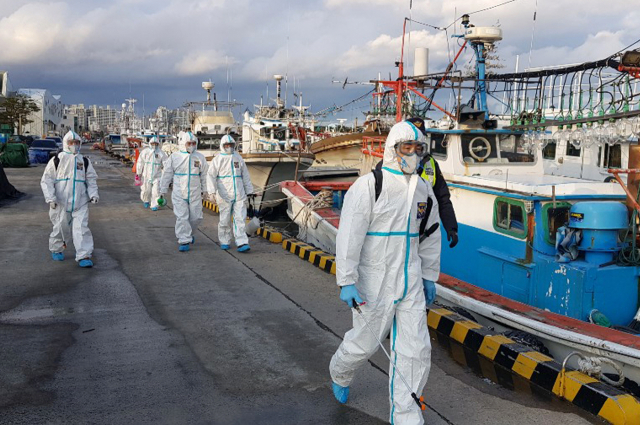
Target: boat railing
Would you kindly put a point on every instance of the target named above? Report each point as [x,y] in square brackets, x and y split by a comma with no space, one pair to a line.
[373,145]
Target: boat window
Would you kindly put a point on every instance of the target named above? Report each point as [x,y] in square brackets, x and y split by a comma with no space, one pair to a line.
[572,151]
[278,132]
[512,148]
[612,157]
[208,144]
[509,217]
[479,148]
[549,151]
[554,218]
[483,148]
[438,145]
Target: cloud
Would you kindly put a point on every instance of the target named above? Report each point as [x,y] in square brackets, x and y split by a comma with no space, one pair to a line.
[92,45]
[335,4]
[31,32]
[198,63]
[382,51]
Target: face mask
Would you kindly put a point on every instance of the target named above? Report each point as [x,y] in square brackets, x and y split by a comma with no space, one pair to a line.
[228,149]
[74,149]
[409,163]
[191,148]
[155,147]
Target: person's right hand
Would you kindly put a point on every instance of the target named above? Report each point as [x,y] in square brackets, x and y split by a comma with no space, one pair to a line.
[429,291]
[53,205]
[349,293]
[452,236]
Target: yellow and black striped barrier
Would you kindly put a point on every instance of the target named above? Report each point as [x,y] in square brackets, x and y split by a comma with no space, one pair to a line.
[270,234]
[315,256]
[210,206]
[598,398]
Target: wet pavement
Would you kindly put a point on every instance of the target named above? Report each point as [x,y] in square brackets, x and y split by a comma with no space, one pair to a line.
[151,335]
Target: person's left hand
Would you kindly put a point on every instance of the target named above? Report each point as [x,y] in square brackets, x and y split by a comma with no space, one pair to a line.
[452,237]
[429,290]
[94,200]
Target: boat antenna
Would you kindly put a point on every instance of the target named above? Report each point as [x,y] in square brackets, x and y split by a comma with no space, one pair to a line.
[286,72]
[266,78]
[409,38]
[533,31]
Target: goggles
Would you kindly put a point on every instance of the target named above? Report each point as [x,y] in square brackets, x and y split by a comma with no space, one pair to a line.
[410,147]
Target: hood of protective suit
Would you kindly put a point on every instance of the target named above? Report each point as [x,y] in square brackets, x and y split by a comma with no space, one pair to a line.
[153,140]
[227,139]
[400,132]
[71,135]
[184,138]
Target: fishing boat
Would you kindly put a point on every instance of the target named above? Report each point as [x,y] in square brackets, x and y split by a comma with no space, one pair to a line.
[551,256]
[338,156]
[275,146]
[210,120]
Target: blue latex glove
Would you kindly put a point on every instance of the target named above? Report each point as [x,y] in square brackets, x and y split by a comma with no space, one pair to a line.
[348,293]
[429,290]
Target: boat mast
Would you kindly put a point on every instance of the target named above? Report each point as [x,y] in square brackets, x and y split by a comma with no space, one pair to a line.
[400,85]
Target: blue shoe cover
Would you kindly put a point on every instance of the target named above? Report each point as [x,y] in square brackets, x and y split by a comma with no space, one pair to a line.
[57,256]
[341,393]
[193,240]
[184,247]
[154,208]
[85,263]
[244,248]
[224,247]
[146,205]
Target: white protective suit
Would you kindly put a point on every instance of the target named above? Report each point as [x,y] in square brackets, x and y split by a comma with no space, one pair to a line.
[188,173]
[71,187]
[229,180]
[149,168]
[378,250]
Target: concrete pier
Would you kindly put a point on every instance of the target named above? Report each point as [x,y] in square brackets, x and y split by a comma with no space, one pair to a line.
[150,335]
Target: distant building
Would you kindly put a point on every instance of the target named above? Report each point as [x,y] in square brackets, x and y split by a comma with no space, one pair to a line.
[48,119]
[6,90]
[79,115]
[102,119]
[178,119]
[5,85]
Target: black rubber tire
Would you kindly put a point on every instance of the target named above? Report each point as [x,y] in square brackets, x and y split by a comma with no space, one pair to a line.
[462,312]
[528,340]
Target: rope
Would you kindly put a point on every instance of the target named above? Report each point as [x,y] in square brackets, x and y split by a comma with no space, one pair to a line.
[592,366]
[324,199]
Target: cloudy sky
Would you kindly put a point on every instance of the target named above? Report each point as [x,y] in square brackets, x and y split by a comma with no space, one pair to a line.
[101,51]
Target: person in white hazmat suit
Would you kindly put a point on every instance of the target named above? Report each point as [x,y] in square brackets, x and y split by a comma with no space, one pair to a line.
[187,169]
[229,183]
[383,265]
[69,184]
[149,169]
